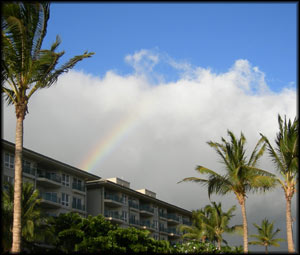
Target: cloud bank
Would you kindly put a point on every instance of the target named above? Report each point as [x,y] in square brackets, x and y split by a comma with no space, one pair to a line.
[167,125]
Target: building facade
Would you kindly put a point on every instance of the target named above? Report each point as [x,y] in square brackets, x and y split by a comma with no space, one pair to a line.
[136,208]
[61,186]
[64,188]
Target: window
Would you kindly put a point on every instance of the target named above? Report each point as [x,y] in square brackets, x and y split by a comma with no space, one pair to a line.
[65,199]
[124,215]
[124,199]
[78,184]
[9,160]
[9,179]
[28,167]
[65,180]
[77,204]
[155,223]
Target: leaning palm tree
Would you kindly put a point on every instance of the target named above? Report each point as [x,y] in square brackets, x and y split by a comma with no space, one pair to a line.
[242,175]
[285,156]
[26,68]
[266,235]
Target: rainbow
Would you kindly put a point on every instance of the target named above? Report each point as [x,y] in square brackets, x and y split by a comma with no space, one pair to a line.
[110,141]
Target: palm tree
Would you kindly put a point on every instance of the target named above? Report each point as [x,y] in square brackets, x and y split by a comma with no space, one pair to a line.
[198,230]
[242,175]
[285,156]
[26,68]
[266,235]
[218,222]
[32,216]
[210,223]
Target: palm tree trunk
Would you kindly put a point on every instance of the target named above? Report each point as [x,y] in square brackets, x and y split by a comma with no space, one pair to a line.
[219,244]
[16,230]
[245,224]
[266,249]
[289,231]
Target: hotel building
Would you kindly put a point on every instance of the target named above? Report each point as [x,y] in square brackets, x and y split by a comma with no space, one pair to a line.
[64,188]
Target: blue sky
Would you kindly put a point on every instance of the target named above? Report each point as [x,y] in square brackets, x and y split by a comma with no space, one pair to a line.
[206,35]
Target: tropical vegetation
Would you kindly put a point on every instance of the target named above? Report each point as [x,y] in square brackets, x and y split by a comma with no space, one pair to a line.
[242,175]
[25,69]
[209,224]
[285,156]
[34,227]
[265,236]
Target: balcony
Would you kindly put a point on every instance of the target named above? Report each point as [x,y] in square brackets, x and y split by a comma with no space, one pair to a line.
[146,224]
[133,205]
[77,206]
[186,222]
[48,179]
[173,218]
[28,170]
[173,232]
[146,210]
[134,222]
[50,200]
[113,216]
[163,215]
[78,187]
[163,229]
[113,200]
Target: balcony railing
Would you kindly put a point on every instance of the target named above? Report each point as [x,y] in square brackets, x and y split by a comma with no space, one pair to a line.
[186,222]
[134,221]
[173,231]
[163,229]
[78,206]
[79,187]
[113,197]
[133,204]
[172,216]
[147,208]
[147,223]
[29,170]
[50,176]
[113,214]
[52,197]
[164,215]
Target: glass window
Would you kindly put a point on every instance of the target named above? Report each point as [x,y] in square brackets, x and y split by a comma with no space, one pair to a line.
[65,199]
[77,203]
[124,198]
[65,180]
[124,215]
[9,160]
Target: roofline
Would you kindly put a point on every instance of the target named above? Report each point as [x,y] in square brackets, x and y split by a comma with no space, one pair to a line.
[110,183]
[3,141]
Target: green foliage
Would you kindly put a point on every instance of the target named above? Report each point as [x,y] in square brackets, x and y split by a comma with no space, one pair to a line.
[266,235]
[26,67]
[206,247]
[97,235]
[209,224]
[34,222]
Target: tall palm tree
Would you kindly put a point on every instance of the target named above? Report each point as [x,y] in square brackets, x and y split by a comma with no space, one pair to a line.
[266,235]
[241,176]
[26,68]
[285,156]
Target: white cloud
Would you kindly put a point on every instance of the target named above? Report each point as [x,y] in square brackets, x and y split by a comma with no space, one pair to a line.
[173,122]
